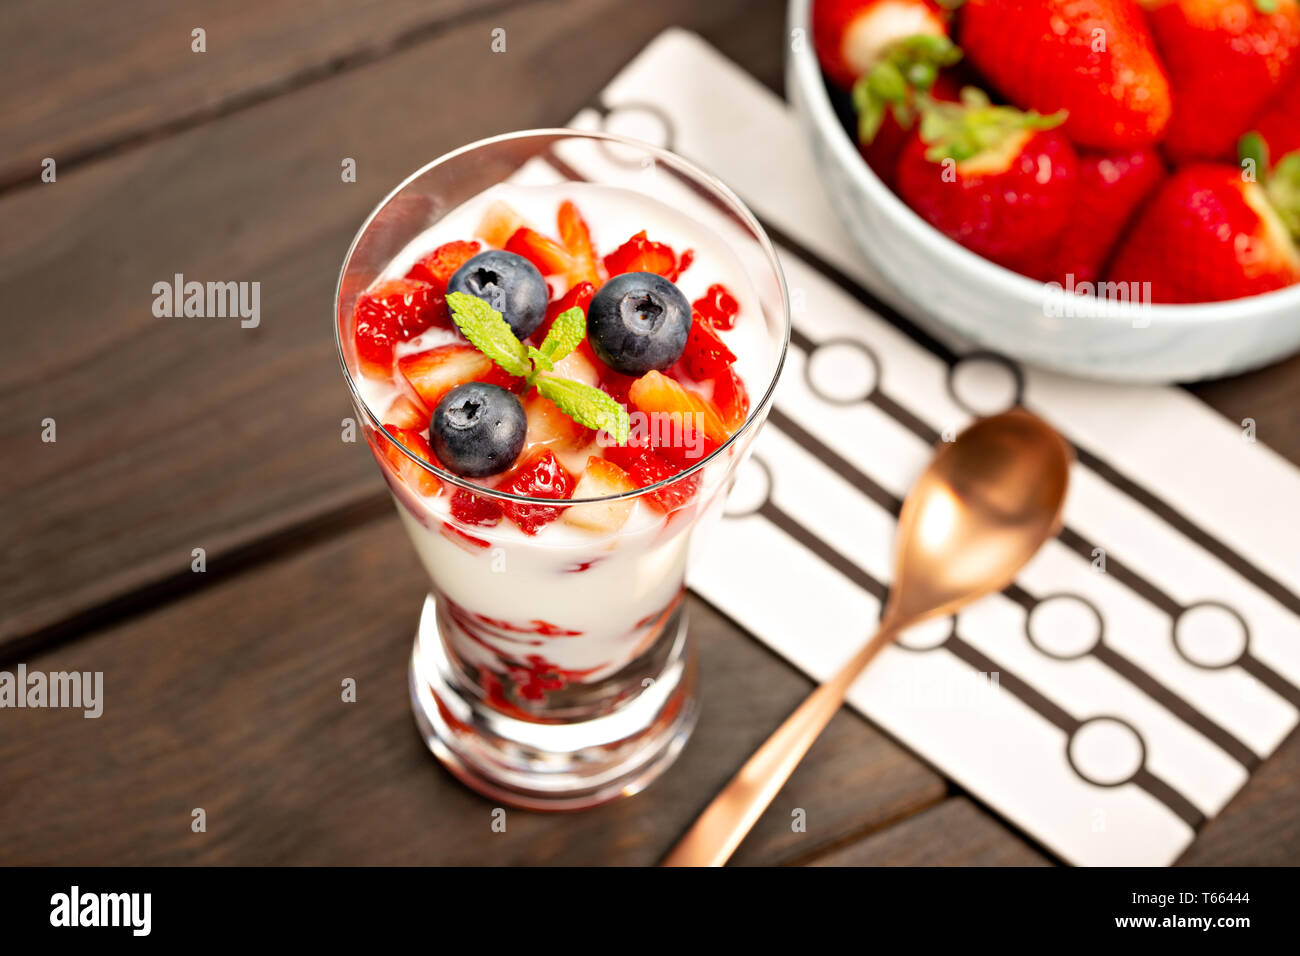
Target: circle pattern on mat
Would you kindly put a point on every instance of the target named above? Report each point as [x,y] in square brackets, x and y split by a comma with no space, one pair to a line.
[640,121]
[842,371]
[985,383]
[1106,751]
[1064,626]
[928,635]
[1211,635]
[750,489]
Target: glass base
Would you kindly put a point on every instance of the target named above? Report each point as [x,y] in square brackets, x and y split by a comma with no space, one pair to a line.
[568,765]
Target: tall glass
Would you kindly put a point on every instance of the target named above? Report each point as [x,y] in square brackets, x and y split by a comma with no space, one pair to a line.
[557,671]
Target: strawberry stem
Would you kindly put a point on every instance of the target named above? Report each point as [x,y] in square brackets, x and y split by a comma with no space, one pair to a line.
[961,131]
[908,68]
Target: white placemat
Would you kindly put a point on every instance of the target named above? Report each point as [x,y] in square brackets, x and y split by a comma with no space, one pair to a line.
[1116,696]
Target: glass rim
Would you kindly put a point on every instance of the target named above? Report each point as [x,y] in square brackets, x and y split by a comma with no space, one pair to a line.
[738,207]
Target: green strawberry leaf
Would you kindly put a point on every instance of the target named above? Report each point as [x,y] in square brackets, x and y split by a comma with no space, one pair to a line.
[1283,190]
[489,332]
[908,68]
[587,406]
[1266,7]
[1252,147]
[960,131]
[566,334]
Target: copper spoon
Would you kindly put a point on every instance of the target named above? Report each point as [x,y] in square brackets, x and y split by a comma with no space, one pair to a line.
[980,510]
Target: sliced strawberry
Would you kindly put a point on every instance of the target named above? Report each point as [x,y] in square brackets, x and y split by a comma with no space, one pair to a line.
[434,373]
[601,478]
[577,239]
[615,384]
[681,425]
[705,355]
[406,413]
[577,367]
[389,312]
[731,398]
[640,254]
[440,265]
[498,224]
[579,296]
[540,476]
[717,305]
[646,468]
[548,427]
[412,475]
[475,509]
[549,256]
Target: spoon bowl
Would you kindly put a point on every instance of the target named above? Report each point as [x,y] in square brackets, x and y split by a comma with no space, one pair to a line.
[981,509]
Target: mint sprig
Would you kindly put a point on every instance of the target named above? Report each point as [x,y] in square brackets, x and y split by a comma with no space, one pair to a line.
[489,332]
[587,406]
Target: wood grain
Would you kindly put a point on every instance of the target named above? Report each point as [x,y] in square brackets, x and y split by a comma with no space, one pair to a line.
[230,701]
[83,79]
[954,833]
[223,688]
[177,434]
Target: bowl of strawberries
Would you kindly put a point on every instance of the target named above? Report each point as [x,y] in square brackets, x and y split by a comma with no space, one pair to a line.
[1109,188]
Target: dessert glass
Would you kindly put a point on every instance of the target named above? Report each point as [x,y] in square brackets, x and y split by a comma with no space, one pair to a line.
[556,671]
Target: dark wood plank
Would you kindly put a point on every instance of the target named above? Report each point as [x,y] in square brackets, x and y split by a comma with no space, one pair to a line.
[230,701]
[1271,396]
[172,438]
[176,434]
[1261,826]
[954,833]
[86,78]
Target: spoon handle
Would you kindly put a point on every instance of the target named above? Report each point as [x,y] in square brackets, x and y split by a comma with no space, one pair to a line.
[734,811]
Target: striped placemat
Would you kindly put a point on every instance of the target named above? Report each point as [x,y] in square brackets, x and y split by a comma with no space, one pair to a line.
[1126,686]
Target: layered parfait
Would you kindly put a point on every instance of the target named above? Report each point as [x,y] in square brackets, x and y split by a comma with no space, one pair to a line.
[522,350]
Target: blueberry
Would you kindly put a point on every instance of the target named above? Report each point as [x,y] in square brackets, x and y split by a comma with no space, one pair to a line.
[638,321]
[478,429]
[507,282]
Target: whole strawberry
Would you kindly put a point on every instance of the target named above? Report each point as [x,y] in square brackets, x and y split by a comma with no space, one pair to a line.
[1093,58]
[1226,59]
[886,109]
[851,35]
[999,181]
[1279,123]
[1111,187]
[1209,234]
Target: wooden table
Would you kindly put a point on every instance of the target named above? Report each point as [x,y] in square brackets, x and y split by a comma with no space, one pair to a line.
[222,688]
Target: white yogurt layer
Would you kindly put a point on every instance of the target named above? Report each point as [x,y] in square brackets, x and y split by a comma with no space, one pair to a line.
[626,578]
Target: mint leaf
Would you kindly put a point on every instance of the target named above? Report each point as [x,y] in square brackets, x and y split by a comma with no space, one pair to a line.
[587,406]
[484,326]
[566,334]
[541,361]
[491,335]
